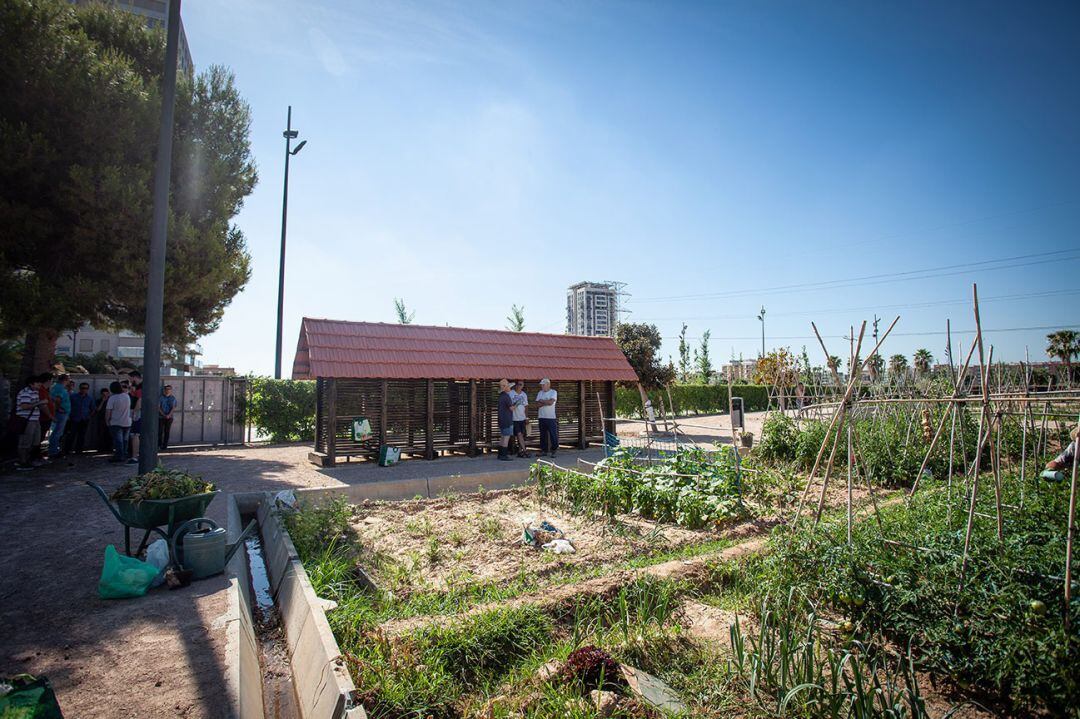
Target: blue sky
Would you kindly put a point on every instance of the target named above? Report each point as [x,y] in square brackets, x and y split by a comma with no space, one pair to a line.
[468,156]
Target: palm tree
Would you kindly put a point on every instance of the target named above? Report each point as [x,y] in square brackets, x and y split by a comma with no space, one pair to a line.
[922,361]
[1064,345]
[833,362]
[876,367]
[898,365]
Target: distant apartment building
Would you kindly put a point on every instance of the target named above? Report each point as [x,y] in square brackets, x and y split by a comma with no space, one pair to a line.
[739,371]
[156,13]
[592,308]
[127,345]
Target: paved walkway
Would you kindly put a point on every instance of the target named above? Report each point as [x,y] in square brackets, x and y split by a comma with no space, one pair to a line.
[162,654]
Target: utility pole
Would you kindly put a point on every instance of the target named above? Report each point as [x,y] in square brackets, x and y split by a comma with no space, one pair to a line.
[155,289]
[289,135]
[761,318]
[876,320]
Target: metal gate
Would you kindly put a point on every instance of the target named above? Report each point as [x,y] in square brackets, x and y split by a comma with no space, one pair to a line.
[209,410]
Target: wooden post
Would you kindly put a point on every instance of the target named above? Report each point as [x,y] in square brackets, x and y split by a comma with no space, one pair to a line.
[384,402]
[611,408]
[331,416]
[581,415]
[429,433]
[472,418]
[320,414]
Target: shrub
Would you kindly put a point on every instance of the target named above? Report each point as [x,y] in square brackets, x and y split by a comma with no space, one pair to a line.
[778,439]
[808,443]
[283,409]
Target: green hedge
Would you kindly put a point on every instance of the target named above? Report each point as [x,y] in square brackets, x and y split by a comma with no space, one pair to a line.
[283,409]
[693,399]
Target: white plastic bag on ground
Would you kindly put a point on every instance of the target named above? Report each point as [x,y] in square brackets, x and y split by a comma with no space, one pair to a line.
[560,546]
[285,499]
[157,554]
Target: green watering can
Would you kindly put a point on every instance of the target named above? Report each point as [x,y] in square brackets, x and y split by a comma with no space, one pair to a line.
[199,545]
[1053,475]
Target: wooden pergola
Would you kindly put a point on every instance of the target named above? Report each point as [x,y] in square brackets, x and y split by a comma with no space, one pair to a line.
[434,390]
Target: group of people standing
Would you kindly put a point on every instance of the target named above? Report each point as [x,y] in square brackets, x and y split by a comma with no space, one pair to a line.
[513,422]
[73,421]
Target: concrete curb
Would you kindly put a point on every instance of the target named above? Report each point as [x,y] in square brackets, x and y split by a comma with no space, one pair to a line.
[323,687]
[428,487]
[243,675]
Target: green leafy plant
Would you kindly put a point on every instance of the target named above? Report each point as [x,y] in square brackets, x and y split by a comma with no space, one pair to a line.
[162,483]
[282,409]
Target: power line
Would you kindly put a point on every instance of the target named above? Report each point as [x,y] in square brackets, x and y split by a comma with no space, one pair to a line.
[938,333]
[904,306]
[882,278]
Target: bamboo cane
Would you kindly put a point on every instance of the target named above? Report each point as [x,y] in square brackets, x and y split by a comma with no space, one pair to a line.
[836,415]
[941,426]
[1069,535]
[832,456]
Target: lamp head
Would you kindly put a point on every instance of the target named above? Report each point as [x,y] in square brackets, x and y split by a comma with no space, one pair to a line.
[298,147]
[291,134]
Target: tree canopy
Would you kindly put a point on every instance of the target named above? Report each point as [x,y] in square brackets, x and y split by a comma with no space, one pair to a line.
[1063,345]
[515,321]
[404,316]
[640,343]
[80,107]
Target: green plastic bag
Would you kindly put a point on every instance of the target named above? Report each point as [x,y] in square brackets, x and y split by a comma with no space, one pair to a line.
[123,577]
[26,697]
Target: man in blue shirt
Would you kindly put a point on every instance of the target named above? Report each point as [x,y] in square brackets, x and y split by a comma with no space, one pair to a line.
[166,405]
[61,401]
[82,404]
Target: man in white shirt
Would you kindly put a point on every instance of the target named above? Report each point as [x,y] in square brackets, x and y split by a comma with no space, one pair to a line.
[521,400]
[118,420]
[549,427]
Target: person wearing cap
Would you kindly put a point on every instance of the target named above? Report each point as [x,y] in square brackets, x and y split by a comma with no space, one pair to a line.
[521,401]
[506,420]
[549,427]
[61,402]
[1064,461]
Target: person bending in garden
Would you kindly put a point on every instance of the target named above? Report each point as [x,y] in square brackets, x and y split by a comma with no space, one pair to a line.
[549,427]
[1066,458]
[521,401]
[506,419]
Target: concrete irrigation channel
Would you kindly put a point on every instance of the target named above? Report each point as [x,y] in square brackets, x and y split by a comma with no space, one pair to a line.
[270,579]
[299,670]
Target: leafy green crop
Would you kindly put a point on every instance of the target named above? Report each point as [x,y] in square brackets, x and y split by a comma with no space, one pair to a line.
[691,488]
[1004,632]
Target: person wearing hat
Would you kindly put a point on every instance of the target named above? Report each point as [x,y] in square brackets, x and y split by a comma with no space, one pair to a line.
[549,427]
[506,420]
[521,401]
[1067,457]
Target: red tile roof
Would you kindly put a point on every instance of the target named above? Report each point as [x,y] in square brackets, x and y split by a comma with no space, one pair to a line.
[375,350]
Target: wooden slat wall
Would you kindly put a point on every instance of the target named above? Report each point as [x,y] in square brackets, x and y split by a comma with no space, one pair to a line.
[594,427]
[357,398]
[405,419]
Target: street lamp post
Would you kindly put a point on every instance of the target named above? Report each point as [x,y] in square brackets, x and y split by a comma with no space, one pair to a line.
[155,286]
[761,318]
[289,135]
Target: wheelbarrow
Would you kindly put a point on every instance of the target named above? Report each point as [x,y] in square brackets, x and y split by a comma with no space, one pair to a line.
[152,514]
